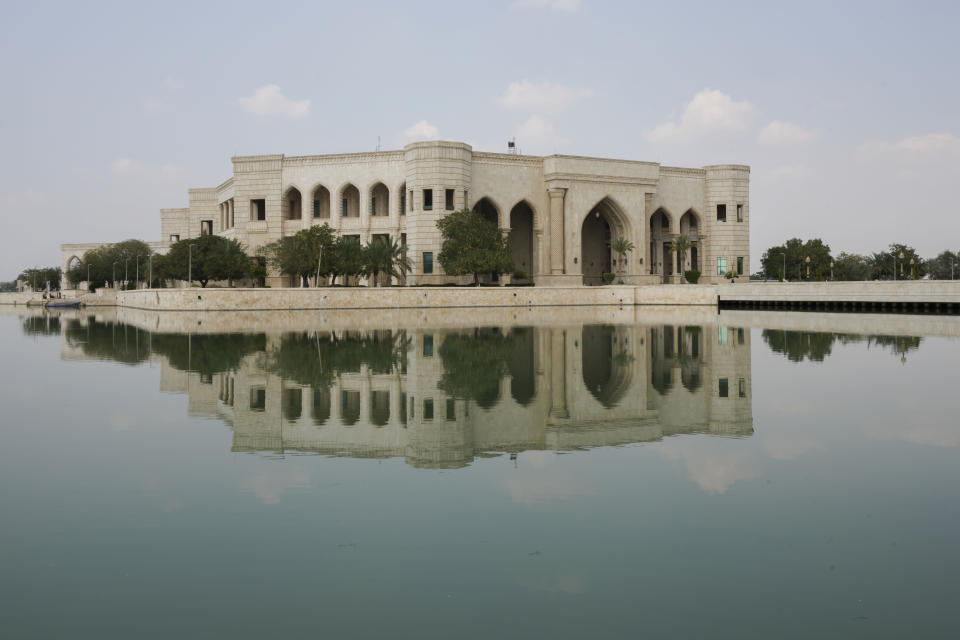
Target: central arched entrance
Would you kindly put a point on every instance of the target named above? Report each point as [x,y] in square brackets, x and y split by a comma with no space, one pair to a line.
[600,228]
[521,238]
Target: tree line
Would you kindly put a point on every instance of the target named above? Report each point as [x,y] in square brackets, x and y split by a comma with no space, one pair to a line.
[471,245]
[796,260]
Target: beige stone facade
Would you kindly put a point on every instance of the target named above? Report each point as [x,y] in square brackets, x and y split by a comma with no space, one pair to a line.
[560,212]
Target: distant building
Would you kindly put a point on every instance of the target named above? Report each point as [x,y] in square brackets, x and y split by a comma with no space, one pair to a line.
[560,212]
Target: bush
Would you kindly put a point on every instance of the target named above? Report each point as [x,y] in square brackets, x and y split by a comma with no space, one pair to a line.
[730,274]
[692,276]
[608,277]
[780,275]
[520,275]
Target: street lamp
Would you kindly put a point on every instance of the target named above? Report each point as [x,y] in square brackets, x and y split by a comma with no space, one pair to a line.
[88,275]
[901,265]
[911,268]
[784,265]
[190,264]
[808,267]
[831,271]
[138,271]
[113,282]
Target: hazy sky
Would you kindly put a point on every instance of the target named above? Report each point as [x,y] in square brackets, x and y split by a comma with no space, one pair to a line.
[848,113]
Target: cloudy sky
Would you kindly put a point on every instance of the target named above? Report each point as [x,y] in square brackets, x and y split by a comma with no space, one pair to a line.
[848,112]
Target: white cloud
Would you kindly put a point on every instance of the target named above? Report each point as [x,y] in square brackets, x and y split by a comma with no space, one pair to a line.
[421,130]
[270,101]
[541,97]
[537,135]
[125,165]
[930,142]
[710,112]
[565,6]
[780,132]
[790,172]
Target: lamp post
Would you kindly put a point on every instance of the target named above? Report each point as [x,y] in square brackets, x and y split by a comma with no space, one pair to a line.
[126,270]
[808,267]
[113,282]
[138,271]
[901,266]
[88,275]
[911,268]
[150,271]
[784,265]
[189,264]
[831,271]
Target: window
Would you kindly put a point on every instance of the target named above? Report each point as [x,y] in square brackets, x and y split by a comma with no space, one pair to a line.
[428,199]
[258,398]
[316,207]
[428,262]
[466,199]
[724,387]
[428,345]
[721,266]
[428,408]
[206,227]
[448,200]
[451,409]
[742,388]
[721,335]
[740,265]
[740,335]
[721,213]
[373,205]
[411,200]
[206,378]
[174,237]
[258,209]
[403,204]
[413,403]
[343,208]
[739,213]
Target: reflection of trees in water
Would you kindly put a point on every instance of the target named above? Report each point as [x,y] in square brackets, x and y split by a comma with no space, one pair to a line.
[45,325]
[815,346]
[605,361]
[206,354]
[110,341]
[316,359]
[320,412]
[475,362]
[676,347]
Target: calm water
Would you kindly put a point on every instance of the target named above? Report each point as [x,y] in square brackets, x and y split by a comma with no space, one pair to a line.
[679,474]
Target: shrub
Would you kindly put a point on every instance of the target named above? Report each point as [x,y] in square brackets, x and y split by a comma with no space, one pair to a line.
[608,277]
[730,274]
[519,274]
[692,276]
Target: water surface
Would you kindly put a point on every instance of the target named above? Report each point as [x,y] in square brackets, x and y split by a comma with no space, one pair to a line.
[633,473]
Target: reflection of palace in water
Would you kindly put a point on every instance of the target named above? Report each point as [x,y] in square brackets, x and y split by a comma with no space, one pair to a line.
[440,398]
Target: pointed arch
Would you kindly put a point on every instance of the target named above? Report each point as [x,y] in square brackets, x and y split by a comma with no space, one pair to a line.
[658,250]
[348,201]
[379,200]
[320,200]
[521,237]
[291,206]
[690,227]
[602,223]
[489,209]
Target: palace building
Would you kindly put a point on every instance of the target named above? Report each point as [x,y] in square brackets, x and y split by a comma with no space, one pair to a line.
[560,213]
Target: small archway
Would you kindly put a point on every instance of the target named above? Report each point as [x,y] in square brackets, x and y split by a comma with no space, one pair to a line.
[291,207]
[523,378]
[321,202]
[662,358]
[486,208]
[660,252]
[603,223]
[379,407]
[690,227]
[349,407]
[320,412]
[292,404]
[379,200]
[605,363]
[521,237]
[349,201]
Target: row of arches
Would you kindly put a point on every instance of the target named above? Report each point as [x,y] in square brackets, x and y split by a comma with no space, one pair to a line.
[347,202]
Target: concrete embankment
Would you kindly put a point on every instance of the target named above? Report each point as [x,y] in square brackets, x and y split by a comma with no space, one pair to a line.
[910,296]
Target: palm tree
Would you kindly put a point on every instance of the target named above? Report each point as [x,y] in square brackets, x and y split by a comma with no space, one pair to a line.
[621,246]
[385,256]
[680,245]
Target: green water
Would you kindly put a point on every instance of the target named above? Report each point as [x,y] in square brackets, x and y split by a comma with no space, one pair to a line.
[724,477]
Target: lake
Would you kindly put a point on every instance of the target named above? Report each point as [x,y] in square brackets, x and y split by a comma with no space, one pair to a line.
[562,473]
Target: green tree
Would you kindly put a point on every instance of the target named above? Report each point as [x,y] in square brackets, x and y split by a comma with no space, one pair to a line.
[38,277]
[621,246]
[347,258]
[945,266]
[911,265]
[852,266]
[793,255]
[474,363]
[387,256]
[304,253]
[680,245]
[209,257]
[472,245]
